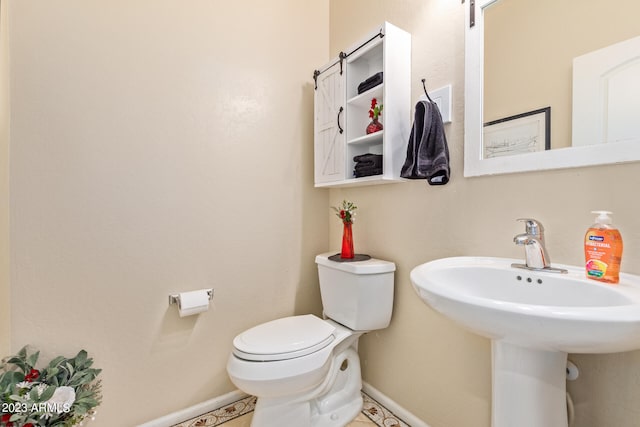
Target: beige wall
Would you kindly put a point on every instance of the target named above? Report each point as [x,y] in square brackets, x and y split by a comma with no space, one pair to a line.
[4,182]
[160,146]
[422,361]
[157,147]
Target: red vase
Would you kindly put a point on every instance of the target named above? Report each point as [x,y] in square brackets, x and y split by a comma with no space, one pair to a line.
[347,241]
[374,126]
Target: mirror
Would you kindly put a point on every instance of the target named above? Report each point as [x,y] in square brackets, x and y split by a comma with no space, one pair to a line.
[520,85]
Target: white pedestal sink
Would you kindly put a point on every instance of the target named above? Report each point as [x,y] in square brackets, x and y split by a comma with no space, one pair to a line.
[534,318]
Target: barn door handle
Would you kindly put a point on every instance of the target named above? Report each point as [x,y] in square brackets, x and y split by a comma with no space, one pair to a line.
[338,119]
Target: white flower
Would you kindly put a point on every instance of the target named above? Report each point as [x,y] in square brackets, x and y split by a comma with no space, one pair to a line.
[41,388]
[63,397]
[24,384]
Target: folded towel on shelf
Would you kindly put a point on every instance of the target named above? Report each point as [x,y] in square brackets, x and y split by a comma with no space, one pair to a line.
[367,165]
[368,160]
[364,169]
[427,151]
[371,82]
[367,171]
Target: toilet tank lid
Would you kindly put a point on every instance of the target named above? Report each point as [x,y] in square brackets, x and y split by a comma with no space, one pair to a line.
[370,266]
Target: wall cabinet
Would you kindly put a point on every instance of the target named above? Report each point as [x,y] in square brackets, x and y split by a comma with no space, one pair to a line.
[342,114]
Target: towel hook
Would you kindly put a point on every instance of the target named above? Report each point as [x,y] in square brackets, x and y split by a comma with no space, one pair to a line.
[424,86]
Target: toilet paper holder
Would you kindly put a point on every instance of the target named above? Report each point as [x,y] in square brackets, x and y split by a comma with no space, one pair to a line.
[175,298]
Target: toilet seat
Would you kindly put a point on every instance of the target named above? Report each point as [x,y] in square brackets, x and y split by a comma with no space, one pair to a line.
[286,377]
[284,339]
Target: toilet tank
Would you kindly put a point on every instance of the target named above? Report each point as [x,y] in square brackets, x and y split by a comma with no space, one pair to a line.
[358,294]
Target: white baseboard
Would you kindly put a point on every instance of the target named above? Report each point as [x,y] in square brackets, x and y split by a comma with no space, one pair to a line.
[195,410]
[220,401]
[392,406]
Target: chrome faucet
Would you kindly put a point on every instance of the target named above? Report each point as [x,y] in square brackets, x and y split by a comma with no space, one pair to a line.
[536,255]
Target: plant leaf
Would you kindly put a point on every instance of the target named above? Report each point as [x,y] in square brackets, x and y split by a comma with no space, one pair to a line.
[47,393]
[55,362]
[80,359]
[33,359]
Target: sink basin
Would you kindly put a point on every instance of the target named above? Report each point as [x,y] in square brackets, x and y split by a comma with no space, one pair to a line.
[548,311]
[534,318]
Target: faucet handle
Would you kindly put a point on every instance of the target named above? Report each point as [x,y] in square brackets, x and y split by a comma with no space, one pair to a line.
[532,226]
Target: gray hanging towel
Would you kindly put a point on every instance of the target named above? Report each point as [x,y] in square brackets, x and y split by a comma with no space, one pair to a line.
[427,151]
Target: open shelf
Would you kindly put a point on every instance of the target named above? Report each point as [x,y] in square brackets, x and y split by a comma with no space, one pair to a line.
[364,99]
[368,139]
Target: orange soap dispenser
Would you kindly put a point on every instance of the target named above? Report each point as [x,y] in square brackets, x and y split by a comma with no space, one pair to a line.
[603,249]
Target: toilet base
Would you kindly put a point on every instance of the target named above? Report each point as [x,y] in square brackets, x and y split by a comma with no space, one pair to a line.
[335,403]
[341,416]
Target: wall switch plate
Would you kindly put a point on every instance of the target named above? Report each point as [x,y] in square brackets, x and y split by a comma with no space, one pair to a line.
[442,98]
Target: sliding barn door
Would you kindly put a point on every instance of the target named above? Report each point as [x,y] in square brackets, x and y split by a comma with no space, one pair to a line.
[329,125]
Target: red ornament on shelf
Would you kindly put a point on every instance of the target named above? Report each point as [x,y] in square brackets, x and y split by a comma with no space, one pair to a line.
[374,126]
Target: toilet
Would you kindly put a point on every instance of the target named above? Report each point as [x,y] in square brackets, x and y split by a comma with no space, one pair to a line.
[305,370]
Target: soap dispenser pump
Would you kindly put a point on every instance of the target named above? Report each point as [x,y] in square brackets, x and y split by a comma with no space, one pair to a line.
[603,249]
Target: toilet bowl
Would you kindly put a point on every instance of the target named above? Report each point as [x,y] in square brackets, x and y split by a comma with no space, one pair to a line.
[305,370]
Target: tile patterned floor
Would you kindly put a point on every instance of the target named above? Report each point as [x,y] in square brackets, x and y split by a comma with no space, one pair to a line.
[245,421]
[238,414]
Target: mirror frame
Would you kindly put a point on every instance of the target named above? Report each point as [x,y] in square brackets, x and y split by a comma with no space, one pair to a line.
[559,158]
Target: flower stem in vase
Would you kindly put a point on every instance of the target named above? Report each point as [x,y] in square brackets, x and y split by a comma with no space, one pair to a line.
[374,113]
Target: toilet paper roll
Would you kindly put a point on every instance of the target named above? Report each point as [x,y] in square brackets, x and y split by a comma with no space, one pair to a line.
[193,302]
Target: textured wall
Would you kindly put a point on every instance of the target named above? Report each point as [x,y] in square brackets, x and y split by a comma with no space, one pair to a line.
[424,362]
[157,147]
[4,182]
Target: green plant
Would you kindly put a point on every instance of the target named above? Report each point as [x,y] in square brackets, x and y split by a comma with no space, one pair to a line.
[375,110]
[62,394]
[346,212]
